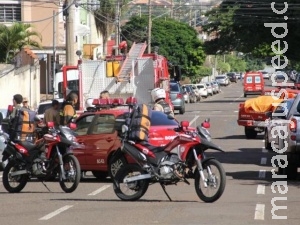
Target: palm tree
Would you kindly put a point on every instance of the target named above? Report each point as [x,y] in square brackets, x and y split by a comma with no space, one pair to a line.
[14,38]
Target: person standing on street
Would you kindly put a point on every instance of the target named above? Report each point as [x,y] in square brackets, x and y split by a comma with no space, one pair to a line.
[17,101]
[159,97]
[52,114]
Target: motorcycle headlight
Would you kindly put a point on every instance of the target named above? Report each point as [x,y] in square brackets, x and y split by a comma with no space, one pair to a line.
[124,128]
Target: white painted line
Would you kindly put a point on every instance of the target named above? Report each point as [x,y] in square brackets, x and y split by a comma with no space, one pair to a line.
[261,189]
[263,140]
[193,120]
[262,174]
[264,150]
[263,161]
[99,190]
[236,111]
[50,215]
[259,212]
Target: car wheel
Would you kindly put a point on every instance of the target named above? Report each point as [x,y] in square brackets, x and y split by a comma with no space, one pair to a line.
[267,143]
[182,110]
[250,133]
[245,95]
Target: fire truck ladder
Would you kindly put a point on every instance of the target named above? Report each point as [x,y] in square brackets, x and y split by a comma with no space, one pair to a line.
[137,50]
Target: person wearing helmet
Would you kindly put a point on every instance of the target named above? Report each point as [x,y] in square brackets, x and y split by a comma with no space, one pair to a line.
[159,97]
[89,105]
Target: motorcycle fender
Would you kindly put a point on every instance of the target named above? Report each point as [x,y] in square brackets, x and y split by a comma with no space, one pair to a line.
[203,162]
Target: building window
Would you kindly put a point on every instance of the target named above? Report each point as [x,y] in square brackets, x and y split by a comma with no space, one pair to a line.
[10,13]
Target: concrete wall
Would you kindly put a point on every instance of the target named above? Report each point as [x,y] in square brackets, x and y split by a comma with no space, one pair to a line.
[24,80]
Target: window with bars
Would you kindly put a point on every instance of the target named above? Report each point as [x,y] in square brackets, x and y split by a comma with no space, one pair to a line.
[10,12]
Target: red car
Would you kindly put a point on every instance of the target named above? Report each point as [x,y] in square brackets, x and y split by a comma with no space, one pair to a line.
[98,131]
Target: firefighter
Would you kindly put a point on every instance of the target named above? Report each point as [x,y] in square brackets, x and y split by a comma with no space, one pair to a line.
[159,97]
[68,111]
[52,114]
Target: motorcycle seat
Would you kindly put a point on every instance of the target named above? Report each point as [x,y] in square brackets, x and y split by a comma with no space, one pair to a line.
[154,149]
[28,145]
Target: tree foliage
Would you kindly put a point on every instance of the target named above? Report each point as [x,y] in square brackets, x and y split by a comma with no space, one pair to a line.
[240,25]
[14,38]
[177,41]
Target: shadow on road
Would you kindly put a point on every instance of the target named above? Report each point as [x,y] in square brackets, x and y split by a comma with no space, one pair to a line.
[224,101]
[241,136]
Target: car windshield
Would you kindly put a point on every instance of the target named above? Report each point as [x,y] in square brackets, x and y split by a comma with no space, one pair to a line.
[43,107]
[285,105]
[219,78]
[200,86]
[174,87]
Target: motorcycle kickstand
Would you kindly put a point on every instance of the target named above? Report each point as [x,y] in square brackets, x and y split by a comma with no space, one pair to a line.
[46,186]
[164,189]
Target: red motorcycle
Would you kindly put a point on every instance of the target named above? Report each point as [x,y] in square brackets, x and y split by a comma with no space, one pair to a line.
[50,155]
[181,159]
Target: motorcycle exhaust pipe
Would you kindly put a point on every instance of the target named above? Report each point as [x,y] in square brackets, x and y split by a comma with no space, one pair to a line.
[135,178]
[20,172]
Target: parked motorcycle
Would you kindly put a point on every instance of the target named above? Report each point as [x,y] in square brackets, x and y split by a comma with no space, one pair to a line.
[179,160]
[50,155]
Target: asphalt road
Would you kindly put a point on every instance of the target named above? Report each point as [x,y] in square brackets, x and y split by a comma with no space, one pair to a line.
[246,200]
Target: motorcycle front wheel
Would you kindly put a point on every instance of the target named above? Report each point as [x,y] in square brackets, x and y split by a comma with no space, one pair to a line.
[72,174]
[14,184]
[130,191]
[215,177]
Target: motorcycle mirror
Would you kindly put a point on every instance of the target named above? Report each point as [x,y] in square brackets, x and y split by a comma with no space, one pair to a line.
[50,124]
[205,124]
[73,126]
[184,124]
[207,120]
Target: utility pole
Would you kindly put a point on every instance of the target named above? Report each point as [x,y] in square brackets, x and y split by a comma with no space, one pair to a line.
[149,26]
[54,54]
[117,18]
[70,45]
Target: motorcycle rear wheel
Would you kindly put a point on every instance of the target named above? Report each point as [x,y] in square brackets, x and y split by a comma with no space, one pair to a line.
[139,187]
[216,182]
[72,173]
[20,180]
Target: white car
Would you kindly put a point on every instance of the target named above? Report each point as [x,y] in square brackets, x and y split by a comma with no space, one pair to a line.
[196,90]
[43,106]
[265,74]
[209,88]
[202,90]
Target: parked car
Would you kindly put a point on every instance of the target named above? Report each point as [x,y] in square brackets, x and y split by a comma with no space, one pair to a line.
[99,132]
[196,90]
[265,74]
[222,80]
[202,89]
[216,87]
[209,88]
[177,98]
[191,93]
[232,77]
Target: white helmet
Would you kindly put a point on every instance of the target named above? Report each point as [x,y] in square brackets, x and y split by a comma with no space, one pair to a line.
[158,93]
[89,103]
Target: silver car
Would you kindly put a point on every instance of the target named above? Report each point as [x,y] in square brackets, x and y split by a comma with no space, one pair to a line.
[222,80]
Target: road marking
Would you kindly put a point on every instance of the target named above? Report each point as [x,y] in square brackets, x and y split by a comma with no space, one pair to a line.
[99,190]
[262,174]
[263,140]
[236,99]
[236,111]
[259,212]
[50,215]
[260,189]
[193,120]
[263,161]
[264,150]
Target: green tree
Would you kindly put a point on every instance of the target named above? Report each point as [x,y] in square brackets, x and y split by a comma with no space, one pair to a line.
[14,38]
[240,25]
[177,41]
